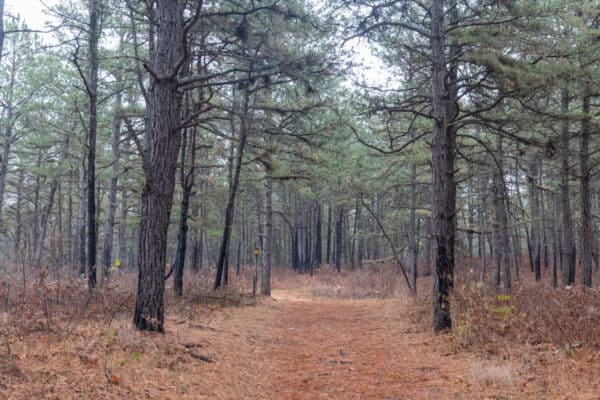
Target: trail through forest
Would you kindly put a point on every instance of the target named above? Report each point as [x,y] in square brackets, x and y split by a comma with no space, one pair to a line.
[358,350]
[304,347]
[291,346]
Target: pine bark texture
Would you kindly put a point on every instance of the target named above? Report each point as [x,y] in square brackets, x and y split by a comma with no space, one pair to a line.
[92,87]
[568,240]
[160,161]
[587,238]
[443,191]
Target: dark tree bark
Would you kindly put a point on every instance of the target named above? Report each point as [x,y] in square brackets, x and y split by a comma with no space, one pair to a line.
[18,223]
[414,235]
[196,261]
[514,236]
[535,245]
[70,258]
[481,220]
[91,82]
[546,235]
[221,276]
[268,244]
[339,239]
[501,239]
[556,256]
[353,236]
[587,239]
[507,281]
[318,239]
[568,241]
[81,213]
[122,234]
[361,243]
[187,184]
[43,226]
[1,28]
[428,243]
[328,247]
[8,135]
[443,143]
[109,224]
[160,162]
[36,209]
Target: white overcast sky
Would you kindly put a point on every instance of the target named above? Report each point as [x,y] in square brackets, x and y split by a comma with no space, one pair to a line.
[32,11]
[373,71]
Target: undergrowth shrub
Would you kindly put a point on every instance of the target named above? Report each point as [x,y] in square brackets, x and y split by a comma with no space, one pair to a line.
[371,281]
[532,314]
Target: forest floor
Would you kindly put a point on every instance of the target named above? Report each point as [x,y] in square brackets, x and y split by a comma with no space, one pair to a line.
[299,344]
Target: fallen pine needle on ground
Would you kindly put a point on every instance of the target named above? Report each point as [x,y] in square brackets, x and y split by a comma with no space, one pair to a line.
[305,342]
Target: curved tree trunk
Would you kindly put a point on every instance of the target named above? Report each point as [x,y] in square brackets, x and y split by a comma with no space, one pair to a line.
[221,276]
[43,227]
[187,183]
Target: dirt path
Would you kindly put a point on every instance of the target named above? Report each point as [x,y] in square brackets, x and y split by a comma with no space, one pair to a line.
[307,348]
[290,347]
[358,350]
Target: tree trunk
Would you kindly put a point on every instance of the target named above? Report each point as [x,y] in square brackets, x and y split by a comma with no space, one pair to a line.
[318,239]
[501,239]
[338,239]
[10,120]
[160,163]
[443,143]
[43,227]
[268,245]
[353,237]
[196,262]
[568,242]
[81,213]
[328,258]
[481,212]
[92,88]
[112,193]
[534,195]
[361,243]
[187,184]
[70,258]
[18,206]
[221,276]
[428,243]
[587,239]
[1,28]
[414,235]
[507,281]
[556,258]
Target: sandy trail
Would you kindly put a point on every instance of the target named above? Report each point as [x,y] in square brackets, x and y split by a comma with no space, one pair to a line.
[290,347]
[369,349]
[384,349]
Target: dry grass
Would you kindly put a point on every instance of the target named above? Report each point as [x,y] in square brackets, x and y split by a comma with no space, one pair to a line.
[373,281]
[532,314]
[359,327]
[51,328]
[491,374]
